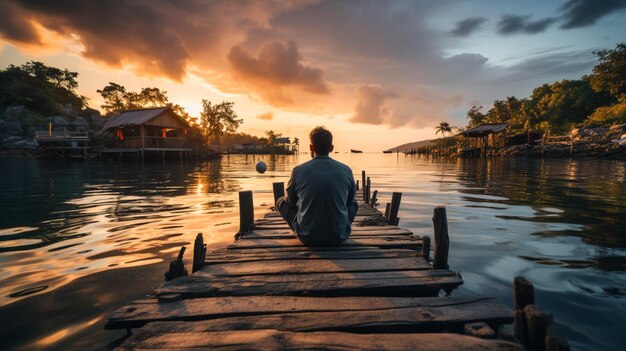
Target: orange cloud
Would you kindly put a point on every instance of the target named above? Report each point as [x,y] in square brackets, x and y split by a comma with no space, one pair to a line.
[276,66]
[266,116]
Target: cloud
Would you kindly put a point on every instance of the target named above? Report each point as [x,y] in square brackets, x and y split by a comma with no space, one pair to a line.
[514,24]
[276,66]
[370,105]
[467,26]
[268,116]
[583,13]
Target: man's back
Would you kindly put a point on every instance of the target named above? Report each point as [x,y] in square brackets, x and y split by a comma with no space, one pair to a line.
[323,190]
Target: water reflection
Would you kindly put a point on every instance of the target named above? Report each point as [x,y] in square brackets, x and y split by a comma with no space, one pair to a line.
[77,240]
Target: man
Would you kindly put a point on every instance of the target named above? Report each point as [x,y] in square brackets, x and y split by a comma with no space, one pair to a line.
[319,205]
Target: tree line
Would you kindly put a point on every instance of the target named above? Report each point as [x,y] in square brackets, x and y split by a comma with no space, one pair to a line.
[596,99]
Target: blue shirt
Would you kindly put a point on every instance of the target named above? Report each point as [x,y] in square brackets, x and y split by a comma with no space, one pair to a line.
[322,190]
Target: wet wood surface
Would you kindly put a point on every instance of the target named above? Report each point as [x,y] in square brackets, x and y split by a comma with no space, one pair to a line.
[268,291]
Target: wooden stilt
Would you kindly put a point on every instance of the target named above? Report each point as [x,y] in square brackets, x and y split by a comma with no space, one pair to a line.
[279,191]
[426,247]
[367,190]
[199,253]
[246,211]
[395,207]
[442,241]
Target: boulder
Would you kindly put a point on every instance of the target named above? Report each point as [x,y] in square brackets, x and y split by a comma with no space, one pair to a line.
[15,112]
[11,128]
[618,128]
[26,144]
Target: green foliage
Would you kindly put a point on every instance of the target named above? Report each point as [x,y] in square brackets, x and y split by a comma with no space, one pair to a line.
[607,115]
[117,99]
[561,106]
[609,76]
[40,88]
[443,128]
[218,119]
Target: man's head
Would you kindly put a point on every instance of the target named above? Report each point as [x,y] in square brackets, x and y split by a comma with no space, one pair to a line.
[321,141]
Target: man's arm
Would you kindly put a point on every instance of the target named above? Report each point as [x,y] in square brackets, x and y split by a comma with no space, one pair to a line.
[291,195]
[352,204]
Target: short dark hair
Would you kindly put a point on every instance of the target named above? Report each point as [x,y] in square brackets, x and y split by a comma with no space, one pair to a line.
[322,140]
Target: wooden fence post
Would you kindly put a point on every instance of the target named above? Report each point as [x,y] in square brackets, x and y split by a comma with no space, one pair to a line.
[279,191]
[199,253]
[395,208]
[426,248]
[442,241]
[246,211]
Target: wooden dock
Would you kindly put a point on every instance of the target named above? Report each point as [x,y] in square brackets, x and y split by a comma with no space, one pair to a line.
[377,291]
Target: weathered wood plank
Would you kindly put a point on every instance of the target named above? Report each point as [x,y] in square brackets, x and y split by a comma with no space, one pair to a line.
[392,283]
[277,340]
[144,311]
[400,242]
[356,231]
[406,319]
[231,256]
[319,266]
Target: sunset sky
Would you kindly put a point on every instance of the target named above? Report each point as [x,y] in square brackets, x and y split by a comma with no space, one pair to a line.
[377,73]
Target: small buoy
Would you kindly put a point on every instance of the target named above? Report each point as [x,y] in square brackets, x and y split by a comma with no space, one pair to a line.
[261,167]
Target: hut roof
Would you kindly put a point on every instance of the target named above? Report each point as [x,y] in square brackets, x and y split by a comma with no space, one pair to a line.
[284,140]
[485,129]
[134,117]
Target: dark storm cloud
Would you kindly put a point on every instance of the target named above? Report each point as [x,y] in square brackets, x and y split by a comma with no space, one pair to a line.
[467,26]
[514,24]
[14,23]
[582,13]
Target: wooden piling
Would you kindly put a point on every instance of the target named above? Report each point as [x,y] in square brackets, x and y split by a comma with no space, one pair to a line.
[442,241]
[246,211]
[279,190]
[395,208]
[363,184]
[199,253]
[387,208]
[373,199]
[537,326]
[426,247]
[367,191]
[177,267]
[523,295]
[357,184]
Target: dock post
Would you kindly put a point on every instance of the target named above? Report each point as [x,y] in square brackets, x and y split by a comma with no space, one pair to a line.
[246,211]
[363,184]
[177,267]
[523,295]
[279,191]
[357,184]
[537,325]
[199,253]
[394,208]
[442,241]
[373,199]
[367,189]
[426,248]
[387,208]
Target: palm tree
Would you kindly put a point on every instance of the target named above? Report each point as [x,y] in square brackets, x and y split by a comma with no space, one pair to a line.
[443,128]
[296,145]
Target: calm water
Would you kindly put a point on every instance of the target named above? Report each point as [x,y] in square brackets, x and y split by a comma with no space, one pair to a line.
[78,240]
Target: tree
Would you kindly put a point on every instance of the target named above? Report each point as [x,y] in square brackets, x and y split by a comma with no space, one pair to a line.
[117,99]
[443,128]
[609,75]
[218,119]
[296,145]
[475,116]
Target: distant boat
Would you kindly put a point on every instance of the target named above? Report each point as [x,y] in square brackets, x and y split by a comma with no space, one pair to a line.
[356,151]
[387,152]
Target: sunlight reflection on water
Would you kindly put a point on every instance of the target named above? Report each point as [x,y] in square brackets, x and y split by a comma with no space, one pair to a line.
[558,222]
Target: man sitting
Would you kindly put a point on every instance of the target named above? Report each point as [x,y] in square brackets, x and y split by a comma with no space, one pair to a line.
[319,204]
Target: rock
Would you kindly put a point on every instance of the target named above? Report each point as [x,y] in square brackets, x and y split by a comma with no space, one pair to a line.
[11,128]
[26,144]
[80,122]
[15,112]
[58,121]
[30,133]
[618,128]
